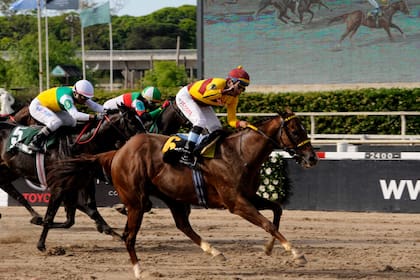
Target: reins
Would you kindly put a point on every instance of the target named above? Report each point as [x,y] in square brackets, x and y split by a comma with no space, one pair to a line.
[282,127]
[95,132]
[87,125]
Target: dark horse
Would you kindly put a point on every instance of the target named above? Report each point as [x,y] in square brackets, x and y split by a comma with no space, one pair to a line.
[107,134]
[282,6]
[22,117]
[357,18]
[231,179]
[168,122]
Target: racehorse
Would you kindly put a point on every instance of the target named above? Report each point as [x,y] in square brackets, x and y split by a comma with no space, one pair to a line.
[282,6]
[168,122]
[231,179]
[24,118]
[113,130]
[357,18]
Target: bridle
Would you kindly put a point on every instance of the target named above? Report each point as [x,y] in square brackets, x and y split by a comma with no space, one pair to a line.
[283,127]
[125,136]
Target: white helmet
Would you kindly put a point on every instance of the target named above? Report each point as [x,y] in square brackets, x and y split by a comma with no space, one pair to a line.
[83,87]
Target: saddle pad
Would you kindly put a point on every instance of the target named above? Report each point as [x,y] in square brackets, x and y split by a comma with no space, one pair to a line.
[24,135]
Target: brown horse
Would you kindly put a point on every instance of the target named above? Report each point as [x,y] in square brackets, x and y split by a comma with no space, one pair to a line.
[357,18]
[231,179]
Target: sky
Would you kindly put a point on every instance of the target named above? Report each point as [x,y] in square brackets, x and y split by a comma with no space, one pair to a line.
[145,7]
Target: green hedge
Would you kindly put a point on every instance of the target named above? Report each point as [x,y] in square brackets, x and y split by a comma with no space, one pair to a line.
[329,101]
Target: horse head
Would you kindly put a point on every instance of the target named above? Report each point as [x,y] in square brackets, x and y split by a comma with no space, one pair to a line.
[293,138]
[113,130]
[400,5]
[403,7]
[169,121]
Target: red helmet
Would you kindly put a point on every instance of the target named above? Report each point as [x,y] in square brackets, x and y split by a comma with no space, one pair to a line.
[239,74]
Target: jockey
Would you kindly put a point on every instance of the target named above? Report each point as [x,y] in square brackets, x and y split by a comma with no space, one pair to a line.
[6,101]
[377,9]
[196,100]
[140,101]
[55,107]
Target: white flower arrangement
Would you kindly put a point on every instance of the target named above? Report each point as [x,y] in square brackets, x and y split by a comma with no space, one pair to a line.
[275,184]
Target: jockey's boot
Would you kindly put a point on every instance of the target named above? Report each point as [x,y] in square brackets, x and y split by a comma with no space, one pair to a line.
[39,140]
[188,156]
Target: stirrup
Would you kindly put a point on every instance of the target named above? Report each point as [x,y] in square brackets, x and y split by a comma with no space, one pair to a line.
[36,148]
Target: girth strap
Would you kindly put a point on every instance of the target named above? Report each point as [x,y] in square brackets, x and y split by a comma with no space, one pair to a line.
[199,187]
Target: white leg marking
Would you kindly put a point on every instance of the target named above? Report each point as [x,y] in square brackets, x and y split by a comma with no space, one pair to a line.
[206,247]
[137,270]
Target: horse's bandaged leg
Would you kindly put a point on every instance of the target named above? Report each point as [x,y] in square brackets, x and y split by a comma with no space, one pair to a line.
[137,270]
[206,247]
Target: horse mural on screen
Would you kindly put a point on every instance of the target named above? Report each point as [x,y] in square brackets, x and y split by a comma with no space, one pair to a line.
[359,18]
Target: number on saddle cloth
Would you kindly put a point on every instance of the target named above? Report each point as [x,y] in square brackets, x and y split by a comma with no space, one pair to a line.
[206,146]
[21,136]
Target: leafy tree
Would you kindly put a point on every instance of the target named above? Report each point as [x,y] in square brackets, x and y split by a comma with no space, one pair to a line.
[165,74]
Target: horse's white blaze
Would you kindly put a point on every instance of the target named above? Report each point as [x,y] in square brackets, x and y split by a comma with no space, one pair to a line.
[206,247]
[137,270]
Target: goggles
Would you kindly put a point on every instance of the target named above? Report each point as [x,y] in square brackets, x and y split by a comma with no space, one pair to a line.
[82,97]
[242,84]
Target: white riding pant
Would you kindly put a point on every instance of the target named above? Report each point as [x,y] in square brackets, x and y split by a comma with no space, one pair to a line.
[199,115]
[52,120]
[374,4]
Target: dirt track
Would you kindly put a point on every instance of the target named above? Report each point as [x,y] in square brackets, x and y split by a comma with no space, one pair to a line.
[337,245]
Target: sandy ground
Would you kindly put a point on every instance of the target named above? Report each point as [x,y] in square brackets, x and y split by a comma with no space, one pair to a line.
[337,245]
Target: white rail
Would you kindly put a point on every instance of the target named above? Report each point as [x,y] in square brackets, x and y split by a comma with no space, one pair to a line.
[394,139]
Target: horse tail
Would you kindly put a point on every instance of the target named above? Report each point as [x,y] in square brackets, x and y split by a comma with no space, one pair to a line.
[79,171]
[338,18]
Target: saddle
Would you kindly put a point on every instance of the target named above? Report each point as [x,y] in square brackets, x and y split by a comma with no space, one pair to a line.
[206,147]
[21,136]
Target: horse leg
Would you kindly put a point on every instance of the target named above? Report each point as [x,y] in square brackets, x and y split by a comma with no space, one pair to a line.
[398,28]
[388,31]
[180,213]
[262,204]
[242,207]
[312,16]
[132,227]
[262,5]
[11,190]
[53,205]
[88,206]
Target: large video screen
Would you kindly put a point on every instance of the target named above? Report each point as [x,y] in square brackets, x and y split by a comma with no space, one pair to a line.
[277,46]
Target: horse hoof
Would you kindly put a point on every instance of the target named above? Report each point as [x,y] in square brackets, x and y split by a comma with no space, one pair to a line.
[41,247]
[220,257]
[300,260]
[36,220]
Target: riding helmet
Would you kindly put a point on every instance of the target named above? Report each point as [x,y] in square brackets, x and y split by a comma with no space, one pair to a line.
[151,94]
[83,87]
[239,74]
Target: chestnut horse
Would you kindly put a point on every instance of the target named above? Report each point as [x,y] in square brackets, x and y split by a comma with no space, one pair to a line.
[357,18]
[231,179]
[113,130]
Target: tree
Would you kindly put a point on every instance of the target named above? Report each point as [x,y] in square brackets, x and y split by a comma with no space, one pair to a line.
[165,74]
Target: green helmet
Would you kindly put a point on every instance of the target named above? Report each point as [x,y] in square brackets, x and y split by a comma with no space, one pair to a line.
[151,94]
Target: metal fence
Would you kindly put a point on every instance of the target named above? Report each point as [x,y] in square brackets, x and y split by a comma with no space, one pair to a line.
[383,139]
